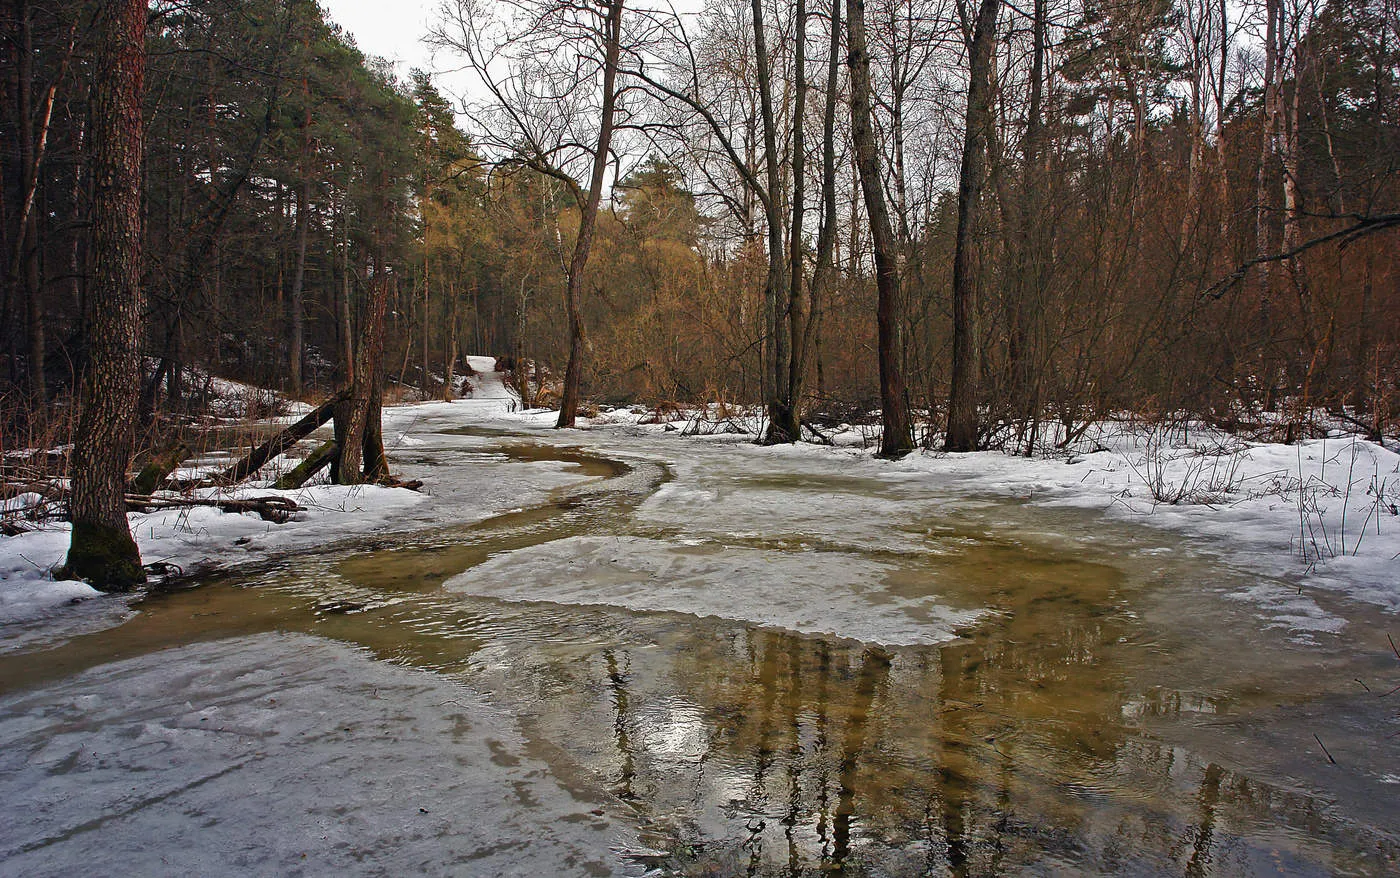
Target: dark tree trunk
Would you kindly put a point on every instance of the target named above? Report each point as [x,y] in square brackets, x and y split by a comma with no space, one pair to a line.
[295,305]
[775,291]
[363,396]
[449,366]
[826,236]
[963,395]
[898,435]
[573,307]
[102,550]
[375,461]
[27,254]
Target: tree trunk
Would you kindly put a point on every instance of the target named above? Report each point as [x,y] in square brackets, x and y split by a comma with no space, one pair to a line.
[1268,148]
[376,462]
[963,394]
[822,277]
[363,397]
[27,254]
[102,549]
[295,305]
[449,366]
[775,290]
[897,438]
[573,307]
[316,461]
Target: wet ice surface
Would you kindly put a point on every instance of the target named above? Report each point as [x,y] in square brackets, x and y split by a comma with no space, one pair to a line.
[282,755]
[793,591]
[750,661]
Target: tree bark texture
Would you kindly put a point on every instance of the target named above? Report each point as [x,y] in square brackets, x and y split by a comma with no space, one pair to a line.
[963,394]
[897,438]
[785,418]
[295,305]
[573,296]
[102,549]
[362,392]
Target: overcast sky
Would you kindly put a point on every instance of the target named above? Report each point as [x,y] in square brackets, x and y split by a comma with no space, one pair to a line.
[392,30]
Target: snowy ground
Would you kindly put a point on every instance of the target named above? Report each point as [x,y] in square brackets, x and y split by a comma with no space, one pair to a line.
[205,537]
[1322,513]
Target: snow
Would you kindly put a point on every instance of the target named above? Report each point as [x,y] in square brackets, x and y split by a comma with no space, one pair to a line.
[283,755]
[464,485]
[1320,514]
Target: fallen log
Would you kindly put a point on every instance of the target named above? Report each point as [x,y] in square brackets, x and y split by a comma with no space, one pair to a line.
[157,470]
[315,462]
[278,444]
[274,509]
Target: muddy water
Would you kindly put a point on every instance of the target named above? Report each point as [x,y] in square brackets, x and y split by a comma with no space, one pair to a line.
[1113,710]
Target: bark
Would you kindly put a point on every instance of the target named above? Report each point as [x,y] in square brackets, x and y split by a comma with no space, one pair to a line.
[1031,248]
[31,153]
[449,366]
[1269,145]
[964,392]
[573,372]
[826,235]
[897,438]
[363,397]
[157,470]
[344,330]
[375,461]
[102,550]
[295,304]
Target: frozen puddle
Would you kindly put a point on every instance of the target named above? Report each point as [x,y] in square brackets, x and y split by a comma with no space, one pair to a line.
[819,593]
[282,755]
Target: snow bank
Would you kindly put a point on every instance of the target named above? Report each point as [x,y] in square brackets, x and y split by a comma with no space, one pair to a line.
[1323,512]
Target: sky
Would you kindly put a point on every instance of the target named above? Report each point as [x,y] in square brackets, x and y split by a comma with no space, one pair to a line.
[392,30]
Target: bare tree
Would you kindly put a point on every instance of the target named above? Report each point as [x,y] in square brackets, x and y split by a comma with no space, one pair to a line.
[539,72]
[897,438]
[963,395]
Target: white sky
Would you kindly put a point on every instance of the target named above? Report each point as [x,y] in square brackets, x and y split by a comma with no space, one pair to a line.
[392,30]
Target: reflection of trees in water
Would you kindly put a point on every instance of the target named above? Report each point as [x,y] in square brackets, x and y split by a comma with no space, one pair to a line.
[802,756]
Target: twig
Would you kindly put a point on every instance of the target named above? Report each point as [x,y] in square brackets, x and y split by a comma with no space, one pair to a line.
[1324,749]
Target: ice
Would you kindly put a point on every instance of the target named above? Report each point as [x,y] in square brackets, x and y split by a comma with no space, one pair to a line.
[807,592]
[284,755]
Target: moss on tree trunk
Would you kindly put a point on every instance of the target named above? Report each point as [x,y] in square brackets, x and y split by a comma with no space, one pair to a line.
[105,556]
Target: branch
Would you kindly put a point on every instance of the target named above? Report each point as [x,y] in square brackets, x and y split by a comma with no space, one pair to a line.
[1360,229]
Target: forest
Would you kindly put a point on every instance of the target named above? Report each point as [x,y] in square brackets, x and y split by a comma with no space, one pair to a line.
[700,438]
[985,225]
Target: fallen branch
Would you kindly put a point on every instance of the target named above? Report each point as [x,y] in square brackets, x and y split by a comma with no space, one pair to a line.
[155,473]
[274,509]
